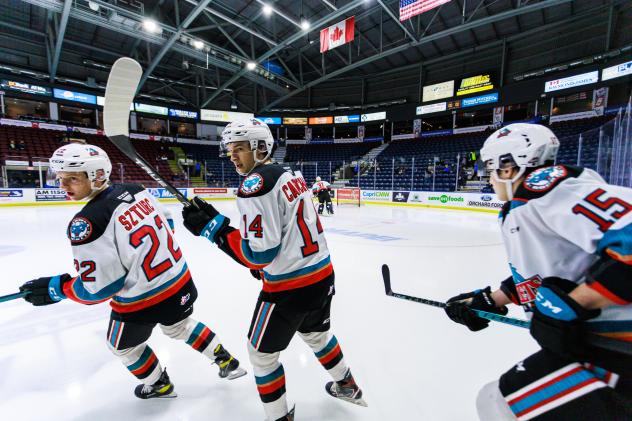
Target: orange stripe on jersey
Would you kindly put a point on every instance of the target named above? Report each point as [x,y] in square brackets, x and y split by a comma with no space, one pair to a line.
[627,259]
[236,245]
[607,293]
[201,338]
[299,281]
[152,299]
[621,336]
[69,291]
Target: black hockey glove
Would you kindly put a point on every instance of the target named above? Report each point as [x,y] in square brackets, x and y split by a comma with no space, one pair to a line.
[255,274]
[203,219]
[459,308]
[557,322]
[46,290]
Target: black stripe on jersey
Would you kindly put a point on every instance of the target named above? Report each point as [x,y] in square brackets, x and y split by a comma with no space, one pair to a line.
[261,180]
[90,223]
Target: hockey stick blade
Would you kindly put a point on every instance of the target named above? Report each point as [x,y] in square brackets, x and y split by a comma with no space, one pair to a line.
[13,296]
[386,276]
[119,94]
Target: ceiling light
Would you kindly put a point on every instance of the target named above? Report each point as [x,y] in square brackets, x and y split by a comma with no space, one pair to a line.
[93,6]
[251,65]
[305,25]
[267,10]
[198,44]
[151,26]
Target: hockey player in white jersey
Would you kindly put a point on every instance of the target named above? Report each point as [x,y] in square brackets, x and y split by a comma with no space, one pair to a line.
[568,236]
[281,240]
[322,190]
[124,252]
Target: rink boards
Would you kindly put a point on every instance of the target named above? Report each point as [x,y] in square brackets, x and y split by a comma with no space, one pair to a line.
[478,202]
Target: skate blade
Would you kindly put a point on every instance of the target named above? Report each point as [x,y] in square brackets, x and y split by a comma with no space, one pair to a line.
[359,402]
[236,373]
[167,396]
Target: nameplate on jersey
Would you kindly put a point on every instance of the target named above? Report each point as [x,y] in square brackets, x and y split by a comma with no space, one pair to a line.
[136,213]
[79,230]
[543,179]
[251,184]
[294,188]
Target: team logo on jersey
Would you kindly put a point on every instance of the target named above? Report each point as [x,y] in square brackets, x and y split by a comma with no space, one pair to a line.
[544,178]
[93,152]
[527,290]
[79,229]
[251,184]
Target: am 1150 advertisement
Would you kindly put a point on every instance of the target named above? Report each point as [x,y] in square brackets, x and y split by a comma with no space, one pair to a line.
[50,195]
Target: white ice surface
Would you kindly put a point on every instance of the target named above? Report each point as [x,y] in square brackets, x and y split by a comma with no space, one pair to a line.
[411,361]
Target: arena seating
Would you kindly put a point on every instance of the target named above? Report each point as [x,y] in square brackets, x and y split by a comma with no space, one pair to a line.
[39,145]
[394,168]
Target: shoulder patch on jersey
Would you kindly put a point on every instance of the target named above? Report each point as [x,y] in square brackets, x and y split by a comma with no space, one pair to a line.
[79,230]
[251,184]
[543,179]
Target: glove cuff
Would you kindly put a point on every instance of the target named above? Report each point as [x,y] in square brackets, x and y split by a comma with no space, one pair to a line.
[211,229]
[551,301]
[55,287]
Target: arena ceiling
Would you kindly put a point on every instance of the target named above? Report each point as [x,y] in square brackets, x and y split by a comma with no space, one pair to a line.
[197,56]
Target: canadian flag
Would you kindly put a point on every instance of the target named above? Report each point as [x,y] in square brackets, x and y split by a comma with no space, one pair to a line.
[338,34]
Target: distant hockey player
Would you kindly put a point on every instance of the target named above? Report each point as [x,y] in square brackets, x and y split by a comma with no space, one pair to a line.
[322,190]
[281,240]
[124,252]
[568,236]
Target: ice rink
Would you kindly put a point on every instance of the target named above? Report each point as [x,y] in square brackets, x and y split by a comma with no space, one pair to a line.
[411,361]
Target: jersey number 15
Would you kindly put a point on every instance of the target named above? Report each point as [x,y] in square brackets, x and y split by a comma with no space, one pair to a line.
[595,199]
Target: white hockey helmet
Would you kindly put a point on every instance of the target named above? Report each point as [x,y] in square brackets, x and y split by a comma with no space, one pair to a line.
[251,130]
[76,157]
[520,145]
[318,179]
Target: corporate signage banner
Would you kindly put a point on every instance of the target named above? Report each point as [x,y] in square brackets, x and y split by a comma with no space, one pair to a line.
[479,100]
[432,108]
[270,120]
[182,113]
[224,116]
[295,121]
[571,81]
[151,109]
[474,84]
[321,120]
[438,91]
[74,96]
[373,116]
[619,70]
[26,88]
[339,119]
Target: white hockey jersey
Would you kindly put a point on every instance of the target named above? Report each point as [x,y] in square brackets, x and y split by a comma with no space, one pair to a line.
[123,249]
[561,222]
[279,231]
[320,186]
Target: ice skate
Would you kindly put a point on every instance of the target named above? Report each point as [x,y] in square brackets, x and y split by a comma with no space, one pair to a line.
[228,365]
[163,388]
[346,389]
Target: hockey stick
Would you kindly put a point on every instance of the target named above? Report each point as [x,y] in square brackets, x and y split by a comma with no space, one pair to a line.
[386,275]
[119,94]
[13,296]
[591,338]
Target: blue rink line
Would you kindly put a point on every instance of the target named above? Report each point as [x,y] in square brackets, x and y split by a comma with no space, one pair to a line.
[365,235]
